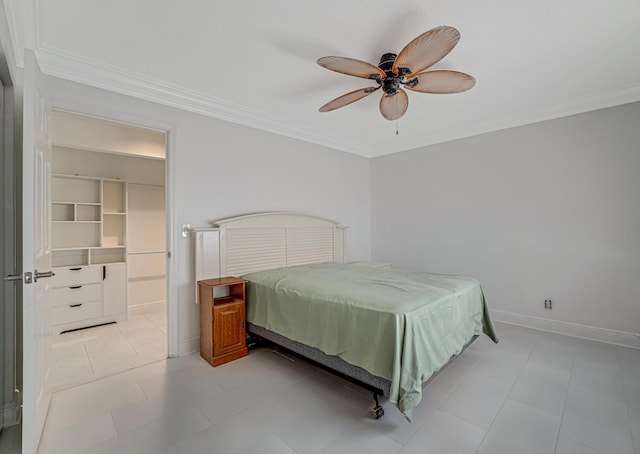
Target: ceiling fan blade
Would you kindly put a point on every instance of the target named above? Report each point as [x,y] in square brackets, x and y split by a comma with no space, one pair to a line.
[427,49]
[347,99]
[393,107]
[442,82]
[351,67]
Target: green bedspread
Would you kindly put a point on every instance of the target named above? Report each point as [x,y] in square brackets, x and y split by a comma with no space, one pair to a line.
[396,324]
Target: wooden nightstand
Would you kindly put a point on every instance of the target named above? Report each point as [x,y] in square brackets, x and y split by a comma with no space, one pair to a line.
[222,320]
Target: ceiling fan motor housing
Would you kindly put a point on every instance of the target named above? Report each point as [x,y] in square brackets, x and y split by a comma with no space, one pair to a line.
[386,62]
[391,82]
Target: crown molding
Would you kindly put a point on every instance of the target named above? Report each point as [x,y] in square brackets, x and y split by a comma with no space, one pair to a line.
[57,63]
[597,101]
[24,26]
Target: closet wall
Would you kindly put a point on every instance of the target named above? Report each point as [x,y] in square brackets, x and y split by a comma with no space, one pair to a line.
[146,244]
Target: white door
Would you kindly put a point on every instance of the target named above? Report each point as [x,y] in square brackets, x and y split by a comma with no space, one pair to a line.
[36,253]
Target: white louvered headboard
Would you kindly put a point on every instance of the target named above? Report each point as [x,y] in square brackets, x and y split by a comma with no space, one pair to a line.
[256,242]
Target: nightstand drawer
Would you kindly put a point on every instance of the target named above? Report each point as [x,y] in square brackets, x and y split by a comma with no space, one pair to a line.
[76,294]
[75,312]
[75,275]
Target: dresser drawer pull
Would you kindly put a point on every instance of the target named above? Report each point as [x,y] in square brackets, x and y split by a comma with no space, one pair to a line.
[75,305]
[76,287]
[75,269]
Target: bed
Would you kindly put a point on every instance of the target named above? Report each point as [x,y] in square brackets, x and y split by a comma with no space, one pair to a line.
[389,329]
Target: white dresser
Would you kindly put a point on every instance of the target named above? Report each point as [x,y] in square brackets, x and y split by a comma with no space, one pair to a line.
[88,295]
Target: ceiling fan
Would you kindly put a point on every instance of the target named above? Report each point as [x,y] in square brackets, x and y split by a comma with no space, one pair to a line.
[405,69]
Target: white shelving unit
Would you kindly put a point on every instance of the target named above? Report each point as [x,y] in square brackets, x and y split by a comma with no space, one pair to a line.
[89,217]
[89,251]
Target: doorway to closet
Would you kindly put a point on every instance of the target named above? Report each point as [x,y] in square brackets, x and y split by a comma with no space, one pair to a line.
[108,236]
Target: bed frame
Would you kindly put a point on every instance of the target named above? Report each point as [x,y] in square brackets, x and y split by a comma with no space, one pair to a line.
[261,241]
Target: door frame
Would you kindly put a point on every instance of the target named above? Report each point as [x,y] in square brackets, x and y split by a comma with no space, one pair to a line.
[9,237]
[5,220]
[136,121]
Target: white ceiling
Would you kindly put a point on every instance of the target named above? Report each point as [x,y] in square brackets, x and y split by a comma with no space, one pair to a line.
[253,62]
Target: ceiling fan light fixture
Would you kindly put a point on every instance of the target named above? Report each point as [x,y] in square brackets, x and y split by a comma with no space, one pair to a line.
[403,69]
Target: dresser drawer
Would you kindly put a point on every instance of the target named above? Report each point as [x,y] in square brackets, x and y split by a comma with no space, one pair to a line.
[81,311]
[75,275]
[85,293]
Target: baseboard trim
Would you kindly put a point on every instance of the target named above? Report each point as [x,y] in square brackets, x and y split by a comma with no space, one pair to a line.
[188,346]
[147,303]
[609,336]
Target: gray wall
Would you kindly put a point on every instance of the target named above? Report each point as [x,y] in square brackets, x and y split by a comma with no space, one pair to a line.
[550,210]
[222,169]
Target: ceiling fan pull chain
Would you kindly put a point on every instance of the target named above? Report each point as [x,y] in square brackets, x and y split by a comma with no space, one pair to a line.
[396,116]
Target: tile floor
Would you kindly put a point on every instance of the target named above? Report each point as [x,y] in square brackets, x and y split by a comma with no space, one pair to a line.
[534,392]
[82,356]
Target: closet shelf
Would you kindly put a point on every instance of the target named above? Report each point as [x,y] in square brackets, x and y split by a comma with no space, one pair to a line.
[89,216]
[68,202]
[88,248]
[146,252]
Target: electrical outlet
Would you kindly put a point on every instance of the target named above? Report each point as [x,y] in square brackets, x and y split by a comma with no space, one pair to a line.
[548,304]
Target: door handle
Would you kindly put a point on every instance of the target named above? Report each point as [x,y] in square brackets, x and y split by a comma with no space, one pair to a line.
[13,277]
[29,277]
[37,275]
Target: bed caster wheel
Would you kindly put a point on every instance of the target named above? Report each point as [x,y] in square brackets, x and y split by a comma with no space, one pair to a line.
[377,412]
